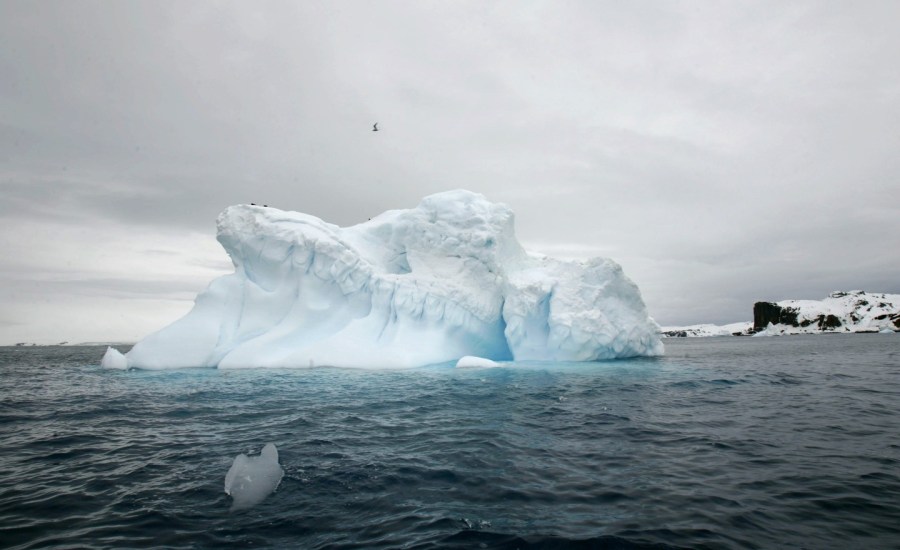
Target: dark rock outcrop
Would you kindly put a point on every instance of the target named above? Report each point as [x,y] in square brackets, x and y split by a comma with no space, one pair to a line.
[768,312]
[854,311]
[828,321]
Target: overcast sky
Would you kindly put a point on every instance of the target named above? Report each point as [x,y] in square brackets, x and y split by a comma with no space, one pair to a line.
[722,152]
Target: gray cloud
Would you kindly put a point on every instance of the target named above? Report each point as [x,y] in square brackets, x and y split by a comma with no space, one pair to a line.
[723,153]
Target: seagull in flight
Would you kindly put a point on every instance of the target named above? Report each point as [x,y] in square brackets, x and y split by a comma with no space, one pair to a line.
[375,127]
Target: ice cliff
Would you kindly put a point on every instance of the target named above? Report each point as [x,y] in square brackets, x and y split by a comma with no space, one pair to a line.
[427,285]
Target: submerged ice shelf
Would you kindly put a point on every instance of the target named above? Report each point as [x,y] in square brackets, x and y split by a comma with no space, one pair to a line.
[427,285]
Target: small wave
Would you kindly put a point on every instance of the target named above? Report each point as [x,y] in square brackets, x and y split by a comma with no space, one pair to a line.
[468,539]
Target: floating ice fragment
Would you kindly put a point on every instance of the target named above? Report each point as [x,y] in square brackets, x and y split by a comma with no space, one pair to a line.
[251,478]
[770,330]
[472,362]
[113,359]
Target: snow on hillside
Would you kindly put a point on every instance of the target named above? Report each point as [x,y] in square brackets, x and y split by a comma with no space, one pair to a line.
[855,311]
[743,328]
[840,312]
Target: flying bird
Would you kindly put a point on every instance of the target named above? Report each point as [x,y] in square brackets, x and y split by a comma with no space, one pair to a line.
[375,127]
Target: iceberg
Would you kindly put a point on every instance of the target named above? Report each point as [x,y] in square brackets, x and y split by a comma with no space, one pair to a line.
[427,285]
[251,478]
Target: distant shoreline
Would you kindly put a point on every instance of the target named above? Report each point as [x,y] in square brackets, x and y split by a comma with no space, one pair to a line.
[851,312]
[64,344]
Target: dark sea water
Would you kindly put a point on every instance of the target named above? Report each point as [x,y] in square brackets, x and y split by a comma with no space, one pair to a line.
[790,442]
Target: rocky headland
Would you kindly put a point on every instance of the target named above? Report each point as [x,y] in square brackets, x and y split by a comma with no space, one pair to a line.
[855,311]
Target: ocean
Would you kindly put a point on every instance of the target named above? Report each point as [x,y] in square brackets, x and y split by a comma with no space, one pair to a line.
[790,442]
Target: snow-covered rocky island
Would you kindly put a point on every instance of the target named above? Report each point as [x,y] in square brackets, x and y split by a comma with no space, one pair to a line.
[704,330]
[428,285]
[855,311]
[840,312]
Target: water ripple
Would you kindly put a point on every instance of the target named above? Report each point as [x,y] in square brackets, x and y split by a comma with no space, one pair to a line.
[726,443]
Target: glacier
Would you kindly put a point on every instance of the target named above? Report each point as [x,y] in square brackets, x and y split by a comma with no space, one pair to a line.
[427,285]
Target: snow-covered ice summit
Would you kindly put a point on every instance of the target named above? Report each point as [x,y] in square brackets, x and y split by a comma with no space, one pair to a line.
[428,285]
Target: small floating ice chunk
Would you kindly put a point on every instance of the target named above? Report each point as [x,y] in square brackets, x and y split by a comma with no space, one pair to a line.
[770,330]
[472,362]
[251,478]
[113,359]
[886,330]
